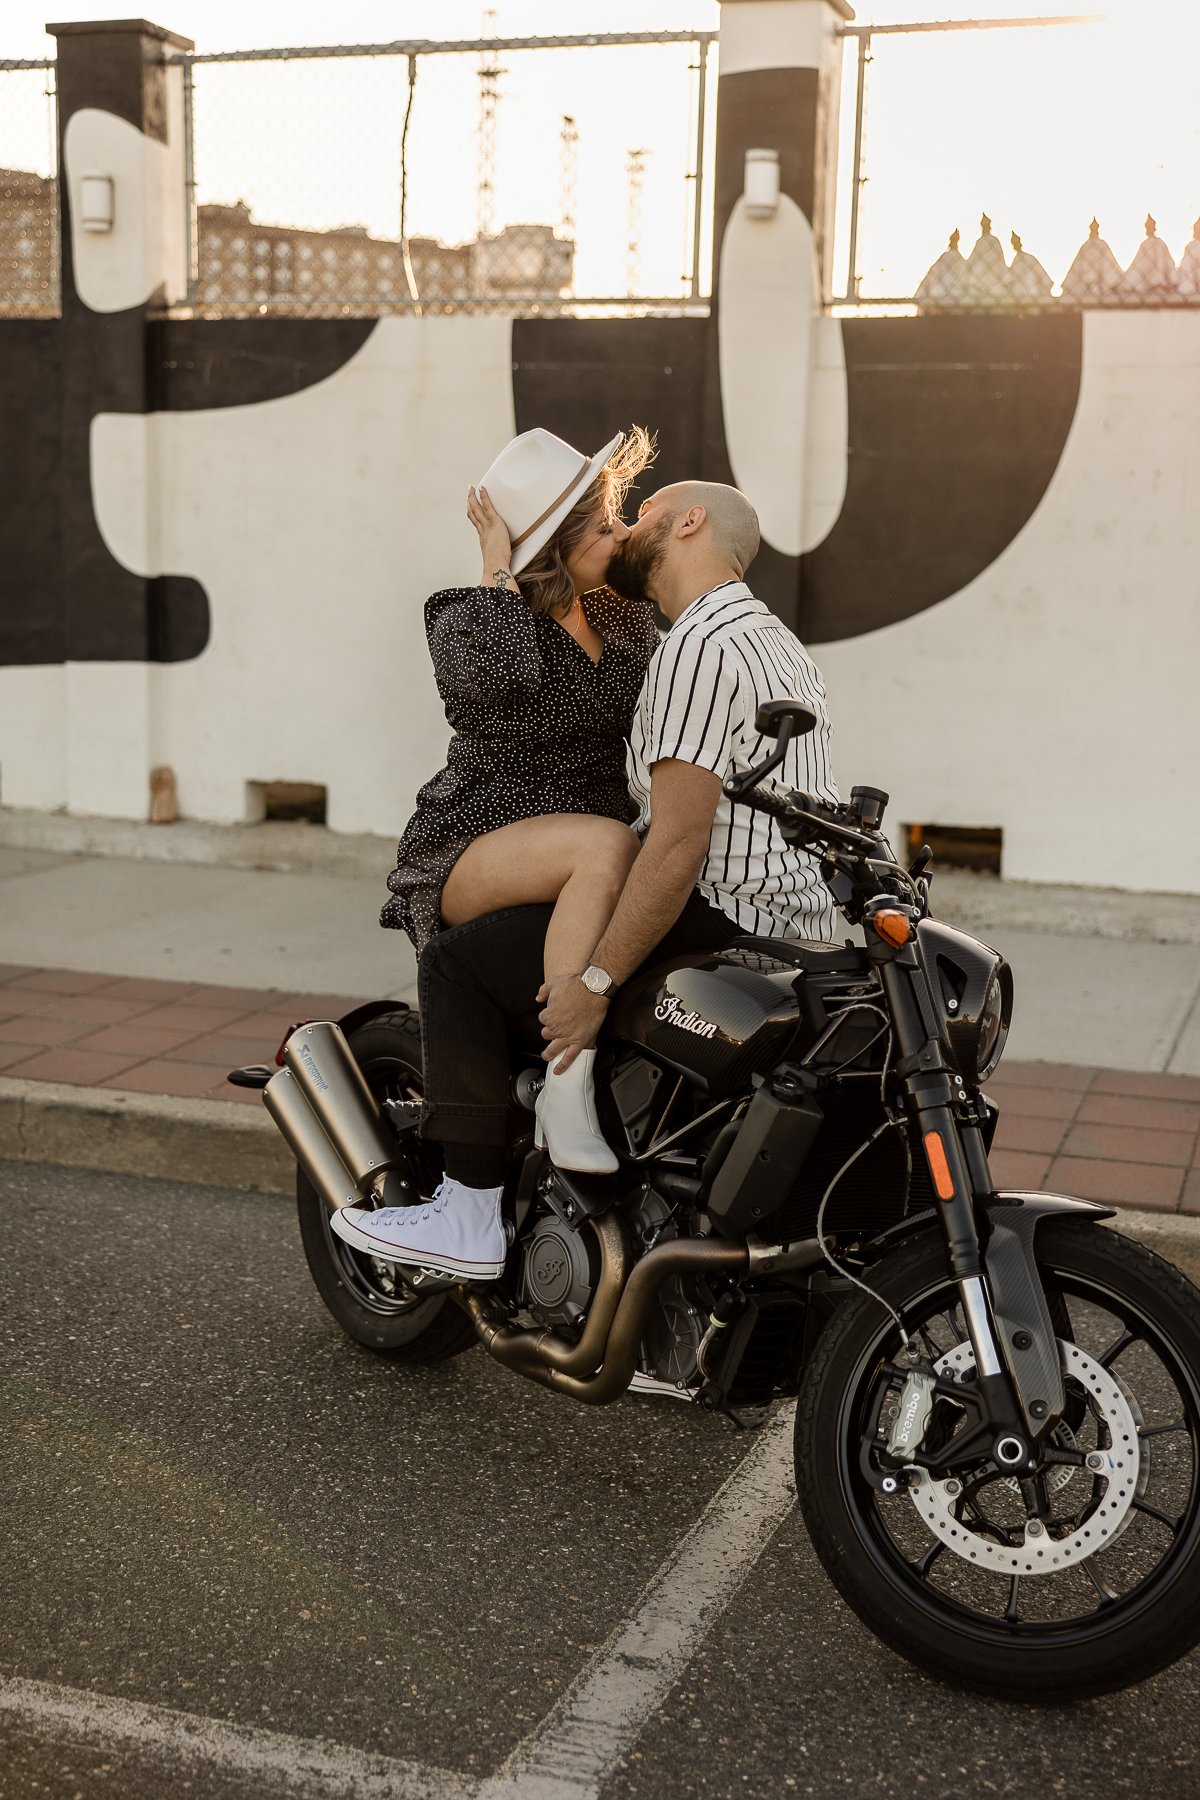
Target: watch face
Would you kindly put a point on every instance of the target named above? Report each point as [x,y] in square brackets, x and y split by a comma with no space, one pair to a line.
[596,981]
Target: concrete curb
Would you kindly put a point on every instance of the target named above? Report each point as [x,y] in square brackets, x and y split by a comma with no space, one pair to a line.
[202,1141]
[988,908]
[1175,1236]
[213,1144]
[282,847]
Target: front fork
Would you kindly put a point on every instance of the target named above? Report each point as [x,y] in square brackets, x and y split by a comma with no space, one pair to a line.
[1018,1375]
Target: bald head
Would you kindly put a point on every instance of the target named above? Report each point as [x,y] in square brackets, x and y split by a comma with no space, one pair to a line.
[729,517]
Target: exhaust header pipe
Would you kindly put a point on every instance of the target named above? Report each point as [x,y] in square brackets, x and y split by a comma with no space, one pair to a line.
[326,1114]
[556,1364]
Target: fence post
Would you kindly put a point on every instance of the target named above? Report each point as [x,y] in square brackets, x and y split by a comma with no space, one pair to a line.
[120,119]
[853,278]
[779,91]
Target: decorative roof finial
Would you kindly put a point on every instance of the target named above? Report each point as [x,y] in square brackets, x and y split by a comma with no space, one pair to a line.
[1152,273]
[956,236]
[985,226]
[1095,273]
[1015,241]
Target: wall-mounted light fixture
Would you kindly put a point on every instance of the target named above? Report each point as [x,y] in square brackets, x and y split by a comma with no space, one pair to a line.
[96,202]
[761,191]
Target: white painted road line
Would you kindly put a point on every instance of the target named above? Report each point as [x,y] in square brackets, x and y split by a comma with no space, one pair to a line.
[570,1753]
[189,1744]
[599,1719]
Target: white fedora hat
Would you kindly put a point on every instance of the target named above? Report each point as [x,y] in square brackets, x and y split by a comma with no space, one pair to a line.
[534,483]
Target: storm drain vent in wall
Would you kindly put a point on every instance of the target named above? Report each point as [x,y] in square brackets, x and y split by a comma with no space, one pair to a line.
[294,800]
[976,847]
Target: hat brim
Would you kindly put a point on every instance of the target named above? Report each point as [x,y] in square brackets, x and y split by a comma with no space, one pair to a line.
[537,540]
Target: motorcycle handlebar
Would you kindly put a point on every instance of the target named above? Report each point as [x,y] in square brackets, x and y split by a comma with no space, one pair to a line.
[804,813]
[768,800]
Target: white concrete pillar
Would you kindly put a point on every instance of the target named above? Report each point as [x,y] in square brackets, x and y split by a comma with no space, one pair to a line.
[124,253]
[782,372]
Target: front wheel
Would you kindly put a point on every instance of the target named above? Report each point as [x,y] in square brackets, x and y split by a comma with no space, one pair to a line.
[1081,1582]
[368,1297]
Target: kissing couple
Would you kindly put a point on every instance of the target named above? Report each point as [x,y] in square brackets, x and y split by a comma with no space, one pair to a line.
[579,829]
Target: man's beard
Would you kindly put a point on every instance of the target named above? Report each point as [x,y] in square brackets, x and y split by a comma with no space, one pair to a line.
[634,566]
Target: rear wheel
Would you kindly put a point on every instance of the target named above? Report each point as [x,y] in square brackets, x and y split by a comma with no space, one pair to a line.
[369,1298]
[1081,1582]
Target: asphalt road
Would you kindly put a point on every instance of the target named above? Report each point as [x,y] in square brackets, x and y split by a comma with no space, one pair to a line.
[216,1507]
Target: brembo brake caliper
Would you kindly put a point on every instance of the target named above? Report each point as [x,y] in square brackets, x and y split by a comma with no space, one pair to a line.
[912,1414]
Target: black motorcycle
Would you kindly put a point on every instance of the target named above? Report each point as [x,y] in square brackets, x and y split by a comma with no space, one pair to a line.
[998,1397]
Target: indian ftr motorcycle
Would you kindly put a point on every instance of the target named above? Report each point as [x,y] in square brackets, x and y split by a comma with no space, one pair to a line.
[996,1439]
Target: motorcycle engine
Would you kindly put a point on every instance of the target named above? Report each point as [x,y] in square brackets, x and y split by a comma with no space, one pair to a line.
[559,1271]
[673,1333]
[561,1266]
[676,1325]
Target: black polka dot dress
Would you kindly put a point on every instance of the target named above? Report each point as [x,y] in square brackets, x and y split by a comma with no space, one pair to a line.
[538,728]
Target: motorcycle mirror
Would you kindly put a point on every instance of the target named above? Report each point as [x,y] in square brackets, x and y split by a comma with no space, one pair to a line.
[772,714]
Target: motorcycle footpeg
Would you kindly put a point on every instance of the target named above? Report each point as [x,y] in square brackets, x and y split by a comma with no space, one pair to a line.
[402,1115]
[254,1075]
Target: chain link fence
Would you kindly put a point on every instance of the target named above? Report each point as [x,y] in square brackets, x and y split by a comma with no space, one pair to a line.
[1074,143]
[29,271]
[500,175]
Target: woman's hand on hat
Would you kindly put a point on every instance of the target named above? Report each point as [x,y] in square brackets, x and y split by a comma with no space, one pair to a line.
[494,540]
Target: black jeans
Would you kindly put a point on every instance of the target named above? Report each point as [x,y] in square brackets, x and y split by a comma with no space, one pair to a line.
[476,988]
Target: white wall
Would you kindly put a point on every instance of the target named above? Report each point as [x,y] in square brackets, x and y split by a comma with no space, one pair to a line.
[1056,695]
[318,524]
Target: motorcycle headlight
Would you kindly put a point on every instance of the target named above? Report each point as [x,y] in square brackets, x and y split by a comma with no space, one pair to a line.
[994,1021]
[975,988]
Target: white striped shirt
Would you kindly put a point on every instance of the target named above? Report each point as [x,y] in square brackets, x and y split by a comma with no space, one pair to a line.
[724,655]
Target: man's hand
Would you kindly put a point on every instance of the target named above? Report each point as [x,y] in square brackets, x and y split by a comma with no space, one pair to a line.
[571,1019]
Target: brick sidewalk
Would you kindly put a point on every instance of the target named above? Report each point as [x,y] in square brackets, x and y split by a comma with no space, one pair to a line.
[145,1037]
[1128,1139]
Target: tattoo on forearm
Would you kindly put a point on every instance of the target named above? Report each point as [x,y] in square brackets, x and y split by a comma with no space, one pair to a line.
[502,579]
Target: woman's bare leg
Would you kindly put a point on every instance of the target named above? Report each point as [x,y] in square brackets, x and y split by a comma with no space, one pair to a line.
[578,861]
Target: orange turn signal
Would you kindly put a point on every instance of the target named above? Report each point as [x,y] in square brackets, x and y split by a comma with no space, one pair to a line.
[939,1168]
[893,927]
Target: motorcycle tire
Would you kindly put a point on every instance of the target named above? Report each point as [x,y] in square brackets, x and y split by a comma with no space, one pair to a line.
[917,1585]
[365,1296]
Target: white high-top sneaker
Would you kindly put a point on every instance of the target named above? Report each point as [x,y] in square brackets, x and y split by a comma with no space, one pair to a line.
[458,1232]
[567,1125]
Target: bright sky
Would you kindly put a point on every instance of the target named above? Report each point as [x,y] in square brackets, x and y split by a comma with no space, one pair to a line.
[1039,128]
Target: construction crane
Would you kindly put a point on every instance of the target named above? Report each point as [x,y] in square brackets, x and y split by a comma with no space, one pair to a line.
[569,179]
[569,176]
[635,178]
[489,95]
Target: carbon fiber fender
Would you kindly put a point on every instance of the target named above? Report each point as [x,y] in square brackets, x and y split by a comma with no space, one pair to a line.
[1024,1327]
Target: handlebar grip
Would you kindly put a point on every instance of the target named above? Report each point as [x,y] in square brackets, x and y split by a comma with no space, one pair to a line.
[768,800]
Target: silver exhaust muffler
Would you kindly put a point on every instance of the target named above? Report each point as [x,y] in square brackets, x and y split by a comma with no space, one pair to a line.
[327,1116]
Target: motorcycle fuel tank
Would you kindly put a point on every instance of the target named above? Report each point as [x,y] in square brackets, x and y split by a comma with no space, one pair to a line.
[718,1018]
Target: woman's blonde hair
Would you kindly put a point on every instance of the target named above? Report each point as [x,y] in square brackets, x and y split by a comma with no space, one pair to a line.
[544,580]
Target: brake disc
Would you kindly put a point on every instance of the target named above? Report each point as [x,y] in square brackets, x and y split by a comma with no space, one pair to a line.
[1040,1553]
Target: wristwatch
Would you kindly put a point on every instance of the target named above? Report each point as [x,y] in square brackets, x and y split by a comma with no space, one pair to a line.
[597,981]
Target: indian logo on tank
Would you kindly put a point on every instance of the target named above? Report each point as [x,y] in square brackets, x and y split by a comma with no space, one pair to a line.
[671,1013]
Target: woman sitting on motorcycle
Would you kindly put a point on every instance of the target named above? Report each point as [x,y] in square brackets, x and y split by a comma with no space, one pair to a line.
[539,667]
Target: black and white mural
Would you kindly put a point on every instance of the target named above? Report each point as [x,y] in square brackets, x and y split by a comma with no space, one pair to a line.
[218,535]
